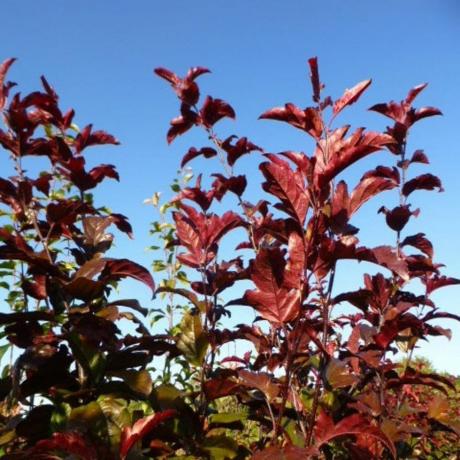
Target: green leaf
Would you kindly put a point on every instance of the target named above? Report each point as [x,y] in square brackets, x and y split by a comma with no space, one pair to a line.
[220,447]
[3,350]
[226,419]
[138,381]
[92,360]
[192,340]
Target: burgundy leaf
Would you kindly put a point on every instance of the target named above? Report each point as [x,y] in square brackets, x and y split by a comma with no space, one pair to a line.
[195,72]
[314,78]
[167,75]
[327,430]
[131,435]
[214,110]
[192,153]
[121,222]
[241,147]
[182,123]
[308,120]
[350,96]
[122,268]
[398,217]
[367,189]
[88,138]
[437,281]
[422,182]
[4,88]
[234,184]
[414,92]
[272,299]
[419,157]
[342,152]
[420,242]
[288,186]
[70,443]
[425,112]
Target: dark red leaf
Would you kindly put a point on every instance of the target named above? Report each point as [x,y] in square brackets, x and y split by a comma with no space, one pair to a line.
[234,184]
[419,157]
[425,112]
[195,72]
[88,138]
[288,186]
[4,88]
[342,152]
[350,96]
[214,110]
[121,222]
[272,299]
[422,182]
[192,153]
[70,443]
[367,189]
[398,217]
[327,430]
[308,120]
[131,435]
[437,281]
[167,75]
[314,78]
[241,147]
[219,387]
[414,92]
[420,242]
[182,123]
[122,268]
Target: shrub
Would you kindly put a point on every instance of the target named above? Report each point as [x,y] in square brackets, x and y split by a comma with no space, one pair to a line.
[318,382]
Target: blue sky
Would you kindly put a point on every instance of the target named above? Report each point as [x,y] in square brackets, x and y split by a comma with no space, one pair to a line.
[99,55]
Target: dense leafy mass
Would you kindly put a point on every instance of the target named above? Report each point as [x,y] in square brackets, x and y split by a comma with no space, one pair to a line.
[317,381]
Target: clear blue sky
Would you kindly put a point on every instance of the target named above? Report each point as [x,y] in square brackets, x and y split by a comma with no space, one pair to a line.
[99,55]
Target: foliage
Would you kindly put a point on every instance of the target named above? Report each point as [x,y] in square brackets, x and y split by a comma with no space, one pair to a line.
[318,381]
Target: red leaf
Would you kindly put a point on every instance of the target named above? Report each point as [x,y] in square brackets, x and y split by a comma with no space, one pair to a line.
[414,92]
[314,77]
[214,110]
[167,75]
[368,188]
[122,268]
[121,222]
[234,184]
[195,72]
[260,380]
[70,443]
[350,96]
[437,281]
[398,217]
[102,171]
[131,435]
[192,153]
[343,152]
[219,387]
[422,182]
[308,120]
[419,157]
[289,452]
[182,123]
[272,299]
[327,430]
[241,147]
[288,186]
[87,138]
[4,88]
[425,112]
[419,242]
